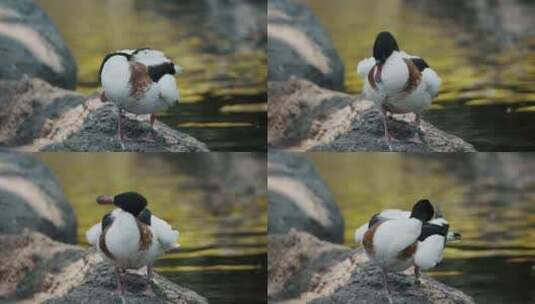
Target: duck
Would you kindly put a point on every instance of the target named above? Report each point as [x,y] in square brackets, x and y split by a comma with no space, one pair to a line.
[140,81]
[398,83]
[130,237]
[397,239]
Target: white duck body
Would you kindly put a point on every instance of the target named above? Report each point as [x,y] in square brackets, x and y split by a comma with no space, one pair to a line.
[122,240]
[391,237]
[146,96]
[429,252]
[387,214]
[395,77]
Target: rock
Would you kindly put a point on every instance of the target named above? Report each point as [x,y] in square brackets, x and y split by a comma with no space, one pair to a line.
[298,198]
[38,270]
[302,269]
[44,118]
[305,117]
[299,46]
[31,198]
[32,45]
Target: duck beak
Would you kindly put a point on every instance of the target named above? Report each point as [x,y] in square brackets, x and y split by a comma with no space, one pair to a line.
[105,200]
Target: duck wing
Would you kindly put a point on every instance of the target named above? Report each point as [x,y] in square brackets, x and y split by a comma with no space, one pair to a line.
[167,236]
[388,214]
[93,234]
[364,67]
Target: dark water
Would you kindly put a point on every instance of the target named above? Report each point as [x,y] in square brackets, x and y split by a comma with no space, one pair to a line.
[488,91]
[495,260]
[223,55]
[223,250]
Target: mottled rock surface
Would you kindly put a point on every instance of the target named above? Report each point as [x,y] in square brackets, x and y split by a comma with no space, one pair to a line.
[303,117]
[36,269]
[31,198]
[39,117]
[299,46]
[303,269]
[32,45]
[298,198]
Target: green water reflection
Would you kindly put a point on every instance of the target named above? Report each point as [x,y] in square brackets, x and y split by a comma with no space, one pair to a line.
[219,250]
[223,85]
[495,261]
[487,98]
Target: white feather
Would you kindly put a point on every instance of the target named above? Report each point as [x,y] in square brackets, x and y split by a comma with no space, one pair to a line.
[359,233]
[115,78]
[429,252]
[122,240]
[168,90]
[390,238]
[364,67]
[166,235]
[395,74]
[432,82]
[151,57]
[387,214]
[93,234]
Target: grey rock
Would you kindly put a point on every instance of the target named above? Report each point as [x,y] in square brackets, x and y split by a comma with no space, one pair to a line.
[39,117]
[303,269]
[299,199]
[39,270]
[31,45]
[299,46]
[305,117]
[31,198]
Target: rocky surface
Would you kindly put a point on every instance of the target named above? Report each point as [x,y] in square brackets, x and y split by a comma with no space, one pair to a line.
[303,116]
[31,45]
[31,198]
[299,199]
[303,269]
[35,269]
[299,46]
[39,117]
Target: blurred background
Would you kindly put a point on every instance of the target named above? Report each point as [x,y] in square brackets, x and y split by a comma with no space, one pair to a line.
[482,50]
[216,200]
[489,198]
[219,43]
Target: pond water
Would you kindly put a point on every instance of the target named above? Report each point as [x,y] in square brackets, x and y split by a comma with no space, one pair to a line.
[223,252]
[495,260]
[223,85]
[488,91]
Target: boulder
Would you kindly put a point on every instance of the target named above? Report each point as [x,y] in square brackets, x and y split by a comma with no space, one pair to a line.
[31,45]
[299,199]
[299,46]
[303,269]
[31,198]
[39,117]
[302,116]
[36,269]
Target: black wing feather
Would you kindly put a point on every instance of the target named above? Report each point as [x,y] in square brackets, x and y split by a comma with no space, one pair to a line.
[106,221]
[420,63]
[144,216]
[158,71]
[432,229]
